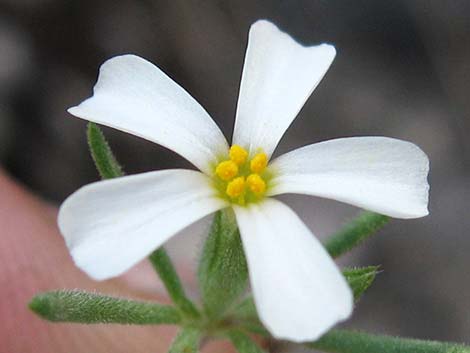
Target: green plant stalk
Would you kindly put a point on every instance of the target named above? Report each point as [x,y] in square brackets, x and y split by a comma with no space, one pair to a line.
[92,308]
[354,233]
[345,341]
[162,264]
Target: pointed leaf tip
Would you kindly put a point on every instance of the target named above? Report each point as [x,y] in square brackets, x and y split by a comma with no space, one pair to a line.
[41,306]
[360,279]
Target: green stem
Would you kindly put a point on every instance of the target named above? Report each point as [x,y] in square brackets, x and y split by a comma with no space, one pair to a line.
[344,341]
[366,224]
[161,262]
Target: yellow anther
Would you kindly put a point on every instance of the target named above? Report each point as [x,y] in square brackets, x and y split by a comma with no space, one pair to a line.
[226,170]
[238,154]
[256,184]
[259,162]
[236,187]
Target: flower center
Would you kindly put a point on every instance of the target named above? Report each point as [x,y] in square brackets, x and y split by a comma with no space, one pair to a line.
[240,179]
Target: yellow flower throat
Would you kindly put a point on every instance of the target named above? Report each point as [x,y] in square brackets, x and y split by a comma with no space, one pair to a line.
[240,179]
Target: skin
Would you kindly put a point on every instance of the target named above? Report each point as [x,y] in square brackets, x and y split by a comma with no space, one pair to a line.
[33,258]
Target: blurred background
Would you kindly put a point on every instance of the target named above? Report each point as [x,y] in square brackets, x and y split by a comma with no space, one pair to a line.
[402,70]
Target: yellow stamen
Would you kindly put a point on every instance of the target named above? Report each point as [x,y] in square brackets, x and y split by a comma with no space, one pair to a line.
[256,184]
[236,187]
[238,154]
[241,179]
[259,162]
[226,170]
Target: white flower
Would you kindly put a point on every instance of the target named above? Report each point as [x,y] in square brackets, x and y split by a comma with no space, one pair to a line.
[299,292]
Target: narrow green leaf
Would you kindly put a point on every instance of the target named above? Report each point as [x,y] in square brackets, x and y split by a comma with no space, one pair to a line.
[344,341]
[243,343]
[355,233]
[161,262]
[360,279]
[187,341]
[104,159]
[222,272]
[92,308]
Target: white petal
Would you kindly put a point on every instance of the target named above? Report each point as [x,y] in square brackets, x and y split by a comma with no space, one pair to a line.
[135,96]
[381,174]
[278,76]
[111,225]
[299,291]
